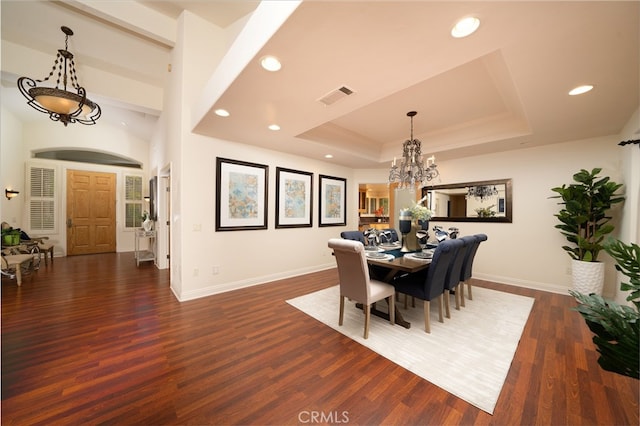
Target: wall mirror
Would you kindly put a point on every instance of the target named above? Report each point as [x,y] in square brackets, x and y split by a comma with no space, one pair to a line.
[482,201]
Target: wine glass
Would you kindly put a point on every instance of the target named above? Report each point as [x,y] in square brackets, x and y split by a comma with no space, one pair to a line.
[370,234]
[422,237]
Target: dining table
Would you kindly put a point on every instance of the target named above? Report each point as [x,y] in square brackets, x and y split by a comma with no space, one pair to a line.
[394,262]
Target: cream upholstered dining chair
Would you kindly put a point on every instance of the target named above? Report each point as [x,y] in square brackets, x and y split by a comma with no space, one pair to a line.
[355,282]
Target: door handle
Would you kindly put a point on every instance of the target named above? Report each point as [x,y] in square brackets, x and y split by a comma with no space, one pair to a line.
[69,223]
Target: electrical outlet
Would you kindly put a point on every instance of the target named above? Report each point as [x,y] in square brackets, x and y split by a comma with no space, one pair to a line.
[196,272]
[215,270]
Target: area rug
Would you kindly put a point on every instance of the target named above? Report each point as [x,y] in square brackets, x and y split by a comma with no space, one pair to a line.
[469,355]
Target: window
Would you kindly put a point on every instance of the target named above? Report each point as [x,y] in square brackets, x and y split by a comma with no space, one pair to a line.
[133,201]
[42,199]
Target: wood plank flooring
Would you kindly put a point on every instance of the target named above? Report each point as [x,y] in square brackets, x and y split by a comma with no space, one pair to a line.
[96,340]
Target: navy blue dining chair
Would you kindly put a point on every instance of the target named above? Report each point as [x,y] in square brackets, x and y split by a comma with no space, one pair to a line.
[467,267]
[453,274]
[430,285]
[353,235]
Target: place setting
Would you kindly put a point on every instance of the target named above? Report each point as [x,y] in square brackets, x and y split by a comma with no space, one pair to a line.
[425,254]
[379,255]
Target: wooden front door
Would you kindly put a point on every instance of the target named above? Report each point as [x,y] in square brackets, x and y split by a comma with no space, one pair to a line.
[91,212]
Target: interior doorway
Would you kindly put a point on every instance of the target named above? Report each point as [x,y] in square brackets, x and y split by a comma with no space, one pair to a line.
[163,223]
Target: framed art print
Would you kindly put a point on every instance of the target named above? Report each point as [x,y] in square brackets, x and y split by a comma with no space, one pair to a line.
[241,195]
[294,198]
[333,201]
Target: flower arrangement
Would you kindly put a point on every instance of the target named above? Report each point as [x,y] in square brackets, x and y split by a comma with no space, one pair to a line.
[379,211]
[420,212]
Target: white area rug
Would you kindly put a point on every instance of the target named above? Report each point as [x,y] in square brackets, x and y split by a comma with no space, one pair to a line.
[468,355]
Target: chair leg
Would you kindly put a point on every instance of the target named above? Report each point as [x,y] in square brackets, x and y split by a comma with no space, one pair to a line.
[447,296]
[440,317]
[458,296]
[341,310]
[427,314]
[461,287]
[367,316]
[392,309]
[469,288]
[406,298]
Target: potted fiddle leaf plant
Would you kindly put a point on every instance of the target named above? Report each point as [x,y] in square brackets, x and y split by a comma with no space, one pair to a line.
[584,221]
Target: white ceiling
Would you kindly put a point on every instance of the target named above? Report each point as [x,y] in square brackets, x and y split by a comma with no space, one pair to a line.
[503,88]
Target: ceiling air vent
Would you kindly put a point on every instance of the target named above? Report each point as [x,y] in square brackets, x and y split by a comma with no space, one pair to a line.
[335,95]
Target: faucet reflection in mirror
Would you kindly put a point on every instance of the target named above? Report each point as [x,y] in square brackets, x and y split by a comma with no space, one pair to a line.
[412,170]
[482,192]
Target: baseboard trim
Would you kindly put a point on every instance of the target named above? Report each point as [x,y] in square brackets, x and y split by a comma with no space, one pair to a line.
[236,285]
[535,285]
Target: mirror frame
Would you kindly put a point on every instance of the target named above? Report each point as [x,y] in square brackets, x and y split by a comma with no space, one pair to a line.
[507,218]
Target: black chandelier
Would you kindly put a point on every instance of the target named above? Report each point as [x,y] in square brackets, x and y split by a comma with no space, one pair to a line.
[412,170]
[482,192]
[61,104]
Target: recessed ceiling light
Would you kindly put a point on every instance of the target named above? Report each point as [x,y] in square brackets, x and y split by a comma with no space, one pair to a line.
[465,26]
[580,90]
[222,112]
[328,156]
[270,63]
[274,127]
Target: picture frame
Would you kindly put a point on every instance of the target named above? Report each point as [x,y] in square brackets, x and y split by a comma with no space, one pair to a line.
[332,201]
[241,195]
[294,198]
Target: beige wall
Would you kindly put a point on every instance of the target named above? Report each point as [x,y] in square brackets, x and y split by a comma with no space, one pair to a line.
[21,140]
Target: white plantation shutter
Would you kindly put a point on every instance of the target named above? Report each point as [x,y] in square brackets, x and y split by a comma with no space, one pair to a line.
[42,199]
[133,201]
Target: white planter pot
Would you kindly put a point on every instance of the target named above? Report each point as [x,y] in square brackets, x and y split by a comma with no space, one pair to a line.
[588,277]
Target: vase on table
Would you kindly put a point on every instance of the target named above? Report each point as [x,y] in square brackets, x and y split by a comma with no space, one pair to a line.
[147,225]
[412,239]
[406,222]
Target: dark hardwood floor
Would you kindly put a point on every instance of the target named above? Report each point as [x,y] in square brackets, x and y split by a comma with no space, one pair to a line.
[96,340]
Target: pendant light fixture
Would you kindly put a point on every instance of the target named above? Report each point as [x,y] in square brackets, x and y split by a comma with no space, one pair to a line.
[412,170]
[61,104]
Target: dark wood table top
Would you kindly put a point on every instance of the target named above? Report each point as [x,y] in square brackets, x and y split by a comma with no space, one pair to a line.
[401,263]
